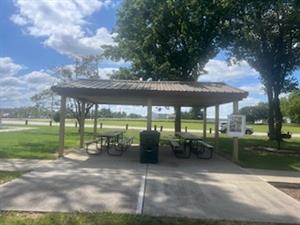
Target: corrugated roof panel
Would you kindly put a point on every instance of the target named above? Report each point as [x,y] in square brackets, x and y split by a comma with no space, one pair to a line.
[163,86]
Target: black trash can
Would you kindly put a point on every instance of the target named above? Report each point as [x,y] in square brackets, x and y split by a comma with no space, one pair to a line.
[149,146]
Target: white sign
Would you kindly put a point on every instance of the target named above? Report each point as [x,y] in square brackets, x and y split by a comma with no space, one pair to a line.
[236,125]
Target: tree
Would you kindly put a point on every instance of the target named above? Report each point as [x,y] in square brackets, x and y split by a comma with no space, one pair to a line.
[168,40]
[84,67]
[253,113]
[266,34]
[291,106]
[46,100]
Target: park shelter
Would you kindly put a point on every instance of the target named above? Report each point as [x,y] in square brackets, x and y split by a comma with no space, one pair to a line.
[150,93]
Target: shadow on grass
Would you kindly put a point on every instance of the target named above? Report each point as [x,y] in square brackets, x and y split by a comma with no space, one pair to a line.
[261,160]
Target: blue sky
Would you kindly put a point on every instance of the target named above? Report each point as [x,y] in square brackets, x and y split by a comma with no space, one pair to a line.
[38,35]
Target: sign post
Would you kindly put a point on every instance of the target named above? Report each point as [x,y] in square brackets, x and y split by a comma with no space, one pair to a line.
[236,128]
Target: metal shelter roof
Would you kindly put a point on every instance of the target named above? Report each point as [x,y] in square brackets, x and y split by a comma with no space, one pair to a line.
[161,93]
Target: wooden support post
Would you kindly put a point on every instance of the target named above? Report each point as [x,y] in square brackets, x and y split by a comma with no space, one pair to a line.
[177,118]
[149,114]
[62,126]
[204,123]
[235,139]
[217,109]
[95,120]
[82,120]
[161,128]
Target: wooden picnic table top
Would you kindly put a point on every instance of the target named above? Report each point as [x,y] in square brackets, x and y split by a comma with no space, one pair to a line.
[110,134]
[188,136]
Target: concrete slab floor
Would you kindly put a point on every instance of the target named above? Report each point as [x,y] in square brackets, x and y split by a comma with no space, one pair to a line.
[193,188]
[216,189]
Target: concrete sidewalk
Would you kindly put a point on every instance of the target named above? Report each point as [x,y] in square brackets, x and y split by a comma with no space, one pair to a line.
[24,164]
[276,175]
[216,189]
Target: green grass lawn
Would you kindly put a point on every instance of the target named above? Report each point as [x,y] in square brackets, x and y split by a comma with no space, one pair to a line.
[38,143]
[262,160]
[105,219]
[190,124]
[42,143]
[6,176]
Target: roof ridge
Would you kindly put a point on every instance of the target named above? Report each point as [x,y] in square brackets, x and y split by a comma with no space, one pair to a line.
[152,81]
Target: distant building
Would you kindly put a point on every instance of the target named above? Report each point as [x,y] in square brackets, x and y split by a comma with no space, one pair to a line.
[159,116]
[263,121]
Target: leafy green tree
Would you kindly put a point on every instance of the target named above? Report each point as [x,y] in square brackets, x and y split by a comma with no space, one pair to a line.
[167,39]
[291,106]
[266,34]
[253,113]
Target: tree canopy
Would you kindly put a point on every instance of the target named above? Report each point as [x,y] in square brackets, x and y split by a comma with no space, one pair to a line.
[267,35]
[291,106]
[169,40]
[253,113]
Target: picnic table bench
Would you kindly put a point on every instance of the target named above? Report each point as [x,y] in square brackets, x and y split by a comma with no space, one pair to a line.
[205,150]
[109,141]
[191,143]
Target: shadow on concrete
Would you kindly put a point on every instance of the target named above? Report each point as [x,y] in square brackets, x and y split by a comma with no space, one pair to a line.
[193,188]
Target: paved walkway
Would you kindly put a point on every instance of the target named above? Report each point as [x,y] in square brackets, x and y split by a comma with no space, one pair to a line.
[24,164]
[276,175]
[37,123]
[193,188]
[14,129]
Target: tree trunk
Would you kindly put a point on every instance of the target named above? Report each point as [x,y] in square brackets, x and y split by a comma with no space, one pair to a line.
[271,126]
[177,118]
[278,117]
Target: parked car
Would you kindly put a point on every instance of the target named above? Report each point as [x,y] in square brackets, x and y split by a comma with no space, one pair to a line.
[223,129]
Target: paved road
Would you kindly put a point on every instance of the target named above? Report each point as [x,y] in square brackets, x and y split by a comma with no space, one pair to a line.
[194,188]
[14,129]
[36,123]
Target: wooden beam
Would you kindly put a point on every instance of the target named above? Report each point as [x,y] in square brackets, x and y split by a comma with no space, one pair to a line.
[62,126]
[82,120]
[149,114]
[235,139]
[95,120]
[177,118]
[217,109]
[204,123]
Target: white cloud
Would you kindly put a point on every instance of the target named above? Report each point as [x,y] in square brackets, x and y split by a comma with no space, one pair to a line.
[10,82]
[39,78]
[105,73]
[16,89]
[62,24]
[8,67]
[254,88]
[218,70]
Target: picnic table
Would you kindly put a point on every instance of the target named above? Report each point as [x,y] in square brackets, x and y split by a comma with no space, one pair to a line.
[188,140]
[109,138]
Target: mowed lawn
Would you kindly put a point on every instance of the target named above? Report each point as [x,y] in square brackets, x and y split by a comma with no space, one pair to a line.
[14,218]
[169,123]
[37,143]
[42,143]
